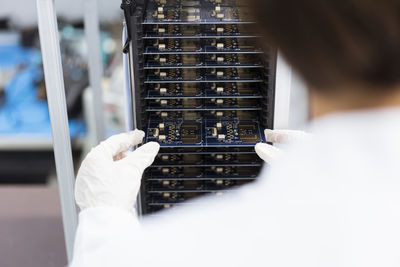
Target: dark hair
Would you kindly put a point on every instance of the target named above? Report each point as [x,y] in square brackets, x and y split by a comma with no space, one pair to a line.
[335,42]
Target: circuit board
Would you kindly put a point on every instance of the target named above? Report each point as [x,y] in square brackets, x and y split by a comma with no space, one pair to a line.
[204,90]
[177,31]
[207,45]
[217,159]
[195,104]
[207,133]
[200,74]
[201,12]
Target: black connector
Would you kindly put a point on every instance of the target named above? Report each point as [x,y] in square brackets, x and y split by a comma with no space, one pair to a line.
[129,8]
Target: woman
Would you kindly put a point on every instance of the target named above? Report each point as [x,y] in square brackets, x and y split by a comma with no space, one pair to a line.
[330,200]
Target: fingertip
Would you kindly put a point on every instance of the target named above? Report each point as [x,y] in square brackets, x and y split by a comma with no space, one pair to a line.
[151,147]
[258,146]
[155,145]
[267,132]
[143,156]
[269,135]
[261,146]
[136,136]
[266,148]
[137,131]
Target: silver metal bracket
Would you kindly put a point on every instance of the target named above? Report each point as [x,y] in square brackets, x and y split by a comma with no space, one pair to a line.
[53,73]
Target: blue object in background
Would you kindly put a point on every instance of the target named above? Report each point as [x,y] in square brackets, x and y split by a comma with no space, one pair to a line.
[23,113]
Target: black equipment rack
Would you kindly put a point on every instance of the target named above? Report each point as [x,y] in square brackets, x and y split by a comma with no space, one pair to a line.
[203,86]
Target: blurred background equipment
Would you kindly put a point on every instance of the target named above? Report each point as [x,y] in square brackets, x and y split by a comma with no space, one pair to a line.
[26,149]
[25,135]
[24,120]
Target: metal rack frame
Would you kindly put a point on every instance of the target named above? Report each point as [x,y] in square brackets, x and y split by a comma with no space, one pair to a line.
[53,72]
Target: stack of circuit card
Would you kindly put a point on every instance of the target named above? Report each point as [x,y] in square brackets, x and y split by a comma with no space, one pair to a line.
[203,88]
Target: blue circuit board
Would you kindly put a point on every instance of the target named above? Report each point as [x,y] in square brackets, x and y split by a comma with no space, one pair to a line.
[205,133]
[209,159]
[208,90]
[195,104]
[205,114]
[188,173]
[199,46]
[198,3]
[209,74]
[189,185]
[200,61]
[196,12]
[157,31]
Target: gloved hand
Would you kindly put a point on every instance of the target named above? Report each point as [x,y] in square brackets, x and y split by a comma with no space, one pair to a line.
[111,174]
[269,153]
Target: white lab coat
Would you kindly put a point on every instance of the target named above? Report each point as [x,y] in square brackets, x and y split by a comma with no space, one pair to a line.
[332,200]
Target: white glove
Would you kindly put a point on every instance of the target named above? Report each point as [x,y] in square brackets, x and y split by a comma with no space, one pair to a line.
[111,174]
[270,153]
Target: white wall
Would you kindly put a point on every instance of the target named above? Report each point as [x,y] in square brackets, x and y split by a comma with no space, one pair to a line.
[298,112]
[291,98]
